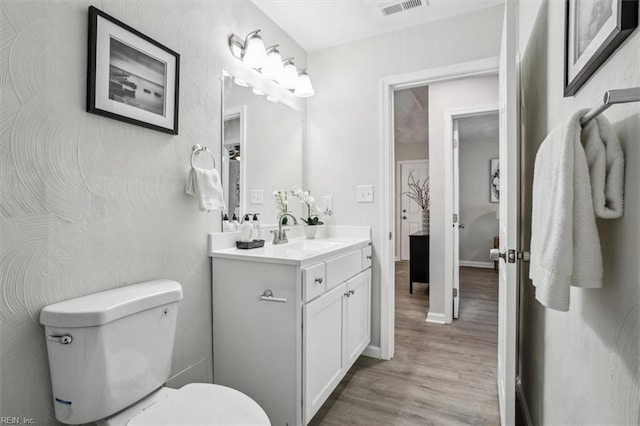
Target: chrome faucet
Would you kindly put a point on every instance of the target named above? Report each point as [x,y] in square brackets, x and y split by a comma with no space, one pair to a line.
[280,236]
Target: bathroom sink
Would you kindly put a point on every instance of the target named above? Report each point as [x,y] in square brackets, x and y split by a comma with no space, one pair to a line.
[312,245]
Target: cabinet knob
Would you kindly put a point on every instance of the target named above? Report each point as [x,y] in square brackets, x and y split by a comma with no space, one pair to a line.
[369,257]
[318,280]
[347,294]
[351,291]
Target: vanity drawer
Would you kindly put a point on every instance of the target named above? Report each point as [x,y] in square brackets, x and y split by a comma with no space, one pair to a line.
[314,282]
[341,268]
[366,257]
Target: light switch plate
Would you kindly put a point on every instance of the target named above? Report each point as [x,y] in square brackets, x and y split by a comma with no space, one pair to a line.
[257,196]
[365,194]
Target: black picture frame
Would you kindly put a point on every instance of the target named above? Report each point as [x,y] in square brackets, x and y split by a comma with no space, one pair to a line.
[131,77]
[494,180]
[589,44]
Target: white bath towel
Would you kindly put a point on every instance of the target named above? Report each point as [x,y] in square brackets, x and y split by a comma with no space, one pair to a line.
[565,246]
[205,184]
[606,167]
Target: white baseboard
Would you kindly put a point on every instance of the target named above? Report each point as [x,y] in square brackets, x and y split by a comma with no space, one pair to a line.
[372,352]
[472,264]
[523,401]
[435,318]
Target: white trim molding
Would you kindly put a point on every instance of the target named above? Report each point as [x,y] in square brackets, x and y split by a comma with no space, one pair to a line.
[388,85]
[372,352]
[435,318]
[473,264]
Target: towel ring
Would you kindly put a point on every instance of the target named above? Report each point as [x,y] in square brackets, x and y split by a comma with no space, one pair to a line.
[197,149]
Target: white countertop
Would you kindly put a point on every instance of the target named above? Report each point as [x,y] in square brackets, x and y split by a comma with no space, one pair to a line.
[298,251]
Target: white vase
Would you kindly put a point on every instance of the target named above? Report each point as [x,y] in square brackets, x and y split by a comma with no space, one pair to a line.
[310,231]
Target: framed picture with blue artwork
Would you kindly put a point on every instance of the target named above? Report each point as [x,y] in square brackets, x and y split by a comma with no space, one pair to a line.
[131,77]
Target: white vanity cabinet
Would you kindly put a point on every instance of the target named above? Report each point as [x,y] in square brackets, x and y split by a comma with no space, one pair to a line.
[289,348]
[336,329]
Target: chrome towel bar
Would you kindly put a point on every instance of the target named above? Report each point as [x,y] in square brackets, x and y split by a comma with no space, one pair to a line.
[612,97]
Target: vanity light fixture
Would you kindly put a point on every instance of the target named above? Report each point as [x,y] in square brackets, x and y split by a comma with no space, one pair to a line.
[304,89]
[269,63]
[290,74]
[273,67]
[258,91]
[240,82]
[254,53]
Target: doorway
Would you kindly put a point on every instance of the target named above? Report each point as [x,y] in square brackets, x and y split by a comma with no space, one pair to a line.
[480,68]
[473,146]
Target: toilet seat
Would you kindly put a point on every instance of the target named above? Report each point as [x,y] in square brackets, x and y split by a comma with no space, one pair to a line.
[201,404]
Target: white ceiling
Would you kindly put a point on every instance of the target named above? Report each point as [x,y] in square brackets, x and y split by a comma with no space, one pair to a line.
[319,24]
[411,115]
[478,127]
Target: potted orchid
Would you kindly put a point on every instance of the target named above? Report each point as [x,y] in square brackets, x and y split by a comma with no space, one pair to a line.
[313,214]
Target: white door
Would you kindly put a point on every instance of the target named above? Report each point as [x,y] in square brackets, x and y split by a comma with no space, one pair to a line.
[358,317]
[410,211]
[509,193]
[323,348]
[456,222]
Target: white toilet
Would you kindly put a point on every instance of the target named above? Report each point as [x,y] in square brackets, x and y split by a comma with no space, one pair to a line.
[110,355]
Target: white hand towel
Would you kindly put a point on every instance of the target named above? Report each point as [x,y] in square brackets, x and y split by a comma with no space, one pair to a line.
[606,167]
[565,246]
[205,184]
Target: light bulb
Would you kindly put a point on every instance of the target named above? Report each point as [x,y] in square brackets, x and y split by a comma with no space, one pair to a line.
[304,89]
[273,68]
[290,75]
[254,53]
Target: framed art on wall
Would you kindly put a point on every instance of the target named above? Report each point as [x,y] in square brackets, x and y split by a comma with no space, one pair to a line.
[494,180]
[593,31]
[131,77]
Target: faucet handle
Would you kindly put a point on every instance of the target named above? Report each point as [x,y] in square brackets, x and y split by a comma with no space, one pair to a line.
[275,236]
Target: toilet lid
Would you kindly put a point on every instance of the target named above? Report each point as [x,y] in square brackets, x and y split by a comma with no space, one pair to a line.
[203,404]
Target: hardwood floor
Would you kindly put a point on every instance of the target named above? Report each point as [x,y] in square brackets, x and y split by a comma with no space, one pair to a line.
[440,374]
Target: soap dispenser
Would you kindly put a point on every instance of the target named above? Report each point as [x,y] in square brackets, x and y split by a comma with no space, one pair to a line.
[245,229]
[235,223]
[226,225]
[255,224]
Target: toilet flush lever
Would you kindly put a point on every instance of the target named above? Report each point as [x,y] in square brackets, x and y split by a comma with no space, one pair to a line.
[64,339]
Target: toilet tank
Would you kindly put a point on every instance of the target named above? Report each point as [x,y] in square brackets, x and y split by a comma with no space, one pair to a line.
[108,350]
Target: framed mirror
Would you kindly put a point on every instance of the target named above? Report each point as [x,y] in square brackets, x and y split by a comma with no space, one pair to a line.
[262,143]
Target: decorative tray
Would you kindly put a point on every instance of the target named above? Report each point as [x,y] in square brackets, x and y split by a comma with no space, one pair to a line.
[249,244]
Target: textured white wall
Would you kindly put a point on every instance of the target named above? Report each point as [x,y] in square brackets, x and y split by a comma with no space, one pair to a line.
[582,366]
[88,203]
[344,115]
[476,211]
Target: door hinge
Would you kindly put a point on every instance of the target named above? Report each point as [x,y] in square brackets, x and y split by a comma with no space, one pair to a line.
[455,218]
[390,235]
[455,292]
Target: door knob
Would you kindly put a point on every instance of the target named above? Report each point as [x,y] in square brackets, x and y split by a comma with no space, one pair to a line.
[461,226]
[496,254]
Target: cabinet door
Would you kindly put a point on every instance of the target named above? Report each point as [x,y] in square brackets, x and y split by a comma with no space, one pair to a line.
[323,349]
[358,316]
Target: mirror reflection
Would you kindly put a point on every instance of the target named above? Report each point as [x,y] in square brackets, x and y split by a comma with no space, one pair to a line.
[261,152]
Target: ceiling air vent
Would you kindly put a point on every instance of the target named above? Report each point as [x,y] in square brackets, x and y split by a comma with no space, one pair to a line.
[392,8]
